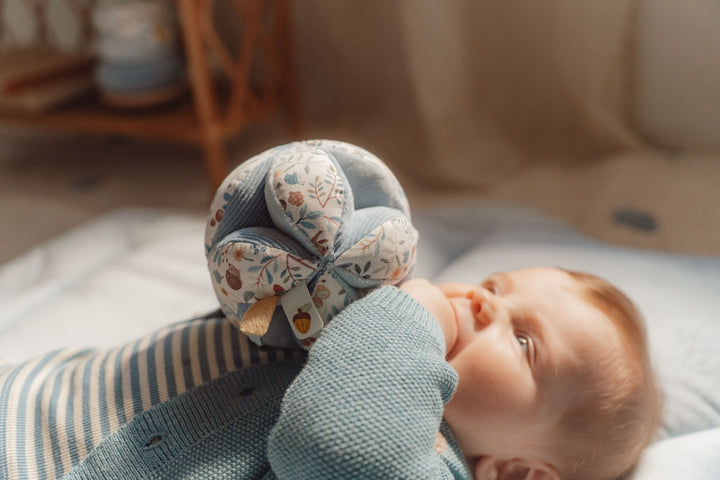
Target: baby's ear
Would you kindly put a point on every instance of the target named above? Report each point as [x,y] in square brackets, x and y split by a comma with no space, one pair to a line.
[493,468]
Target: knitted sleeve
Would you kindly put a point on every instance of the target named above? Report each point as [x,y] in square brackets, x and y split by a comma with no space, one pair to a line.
[369,402]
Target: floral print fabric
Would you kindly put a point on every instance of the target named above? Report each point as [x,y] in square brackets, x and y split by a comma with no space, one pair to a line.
[287,218]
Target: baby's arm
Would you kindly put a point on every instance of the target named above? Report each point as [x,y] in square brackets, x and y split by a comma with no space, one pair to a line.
[369,402]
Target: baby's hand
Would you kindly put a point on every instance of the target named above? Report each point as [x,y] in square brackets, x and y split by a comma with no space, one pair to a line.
[435,301]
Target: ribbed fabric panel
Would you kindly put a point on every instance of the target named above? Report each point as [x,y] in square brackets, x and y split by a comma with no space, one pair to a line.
[266,237]
[246,207]
[57,408]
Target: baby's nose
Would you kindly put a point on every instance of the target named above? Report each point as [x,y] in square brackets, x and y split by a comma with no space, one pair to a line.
[480,306]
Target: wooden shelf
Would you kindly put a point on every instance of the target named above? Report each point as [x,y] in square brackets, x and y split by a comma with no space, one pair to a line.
[176,122]
[212,112]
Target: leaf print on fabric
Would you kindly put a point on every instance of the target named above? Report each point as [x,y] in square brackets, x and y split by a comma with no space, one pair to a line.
[288,221]
[383,256]
[313,203]
[248,272]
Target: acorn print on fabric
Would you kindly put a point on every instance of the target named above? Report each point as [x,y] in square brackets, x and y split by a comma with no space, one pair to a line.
[302,321]
[232,277]
[313,225]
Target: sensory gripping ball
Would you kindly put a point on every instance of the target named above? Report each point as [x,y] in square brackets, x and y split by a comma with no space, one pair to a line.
[298,232]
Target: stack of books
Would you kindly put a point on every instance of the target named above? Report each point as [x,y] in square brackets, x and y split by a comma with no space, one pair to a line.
[38,80]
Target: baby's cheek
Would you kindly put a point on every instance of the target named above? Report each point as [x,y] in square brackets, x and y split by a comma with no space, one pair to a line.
[494,384]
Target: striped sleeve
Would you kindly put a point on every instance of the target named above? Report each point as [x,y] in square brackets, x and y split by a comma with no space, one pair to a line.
[56,408]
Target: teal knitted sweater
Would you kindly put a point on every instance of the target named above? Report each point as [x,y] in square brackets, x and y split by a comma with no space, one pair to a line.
[369,402]
[366,404]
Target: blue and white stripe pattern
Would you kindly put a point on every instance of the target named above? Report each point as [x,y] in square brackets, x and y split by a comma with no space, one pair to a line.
[56,408]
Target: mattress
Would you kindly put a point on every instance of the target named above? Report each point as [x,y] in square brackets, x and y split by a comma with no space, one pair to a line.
[132,271]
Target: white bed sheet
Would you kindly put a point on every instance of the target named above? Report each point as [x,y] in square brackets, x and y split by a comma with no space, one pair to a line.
[126,274]
[104,283]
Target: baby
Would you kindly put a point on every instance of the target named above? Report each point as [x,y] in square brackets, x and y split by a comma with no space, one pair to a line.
[536,374]
[553,382]
[554,377]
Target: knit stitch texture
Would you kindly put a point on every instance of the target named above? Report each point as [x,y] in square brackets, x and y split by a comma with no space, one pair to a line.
[367,404]
[370,409]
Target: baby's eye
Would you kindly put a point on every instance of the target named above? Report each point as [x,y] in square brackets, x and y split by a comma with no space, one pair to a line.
[524,343]
[491,287]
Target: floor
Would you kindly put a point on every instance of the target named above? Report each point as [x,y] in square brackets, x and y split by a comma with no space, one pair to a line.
[52,181]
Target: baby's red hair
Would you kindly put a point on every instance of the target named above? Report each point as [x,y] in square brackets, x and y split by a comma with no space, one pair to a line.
[604,431]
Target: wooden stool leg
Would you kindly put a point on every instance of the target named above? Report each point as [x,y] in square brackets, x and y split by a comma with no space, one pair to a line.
[203,93]
[215,160]
[216,163]
[289,82]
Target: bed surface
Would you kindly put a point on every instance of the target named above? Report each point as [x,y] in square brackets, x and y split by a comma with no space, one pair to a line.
[128,273]
[104,283]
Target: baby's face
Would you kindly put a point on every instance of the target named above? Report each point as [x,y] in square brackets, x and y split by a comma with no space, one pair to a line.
[523,341]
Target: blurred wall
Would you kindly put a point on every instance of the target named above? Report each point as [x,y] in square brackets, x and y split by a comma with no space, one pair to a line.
[479,88]
[463,92]
[356,83]
[677,85]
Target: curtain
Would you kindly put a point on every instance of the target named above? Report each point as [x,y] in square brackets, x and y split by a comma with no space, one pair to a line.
[462,92]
